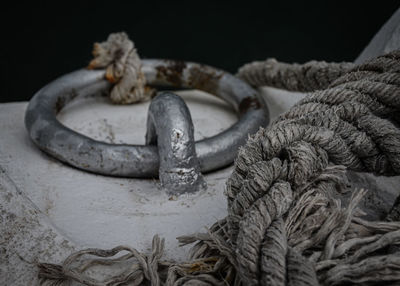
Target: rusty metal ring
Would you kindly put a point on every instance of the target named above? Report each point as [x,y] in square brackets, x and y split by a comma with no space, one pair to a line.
[141,160]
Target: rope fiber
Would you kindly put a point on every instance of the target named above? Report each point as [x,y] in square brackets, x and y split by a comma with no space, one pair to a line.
[123,68]
[286,224]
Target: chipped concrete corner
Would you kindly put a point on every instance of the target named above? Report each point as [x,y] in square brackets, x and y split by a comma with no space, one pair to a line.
[27,236]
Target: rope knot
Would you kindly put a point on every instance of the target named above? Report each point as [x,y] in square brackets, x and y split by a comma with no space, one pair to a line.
[119,57]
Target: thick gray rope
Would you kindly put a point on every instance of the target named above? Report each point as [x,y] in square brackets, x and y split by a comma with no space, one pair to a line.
[310,76]
[325,127]
[286,224]
[351,123]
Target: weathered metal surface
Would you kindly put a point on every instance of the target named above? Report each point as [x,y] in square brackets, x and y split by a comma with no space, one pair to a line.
[138,160]
[170,127]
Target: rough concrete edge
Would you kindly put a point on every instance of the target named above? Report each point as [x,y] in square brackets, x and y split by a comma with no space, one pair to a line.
[385,40]
[27,236]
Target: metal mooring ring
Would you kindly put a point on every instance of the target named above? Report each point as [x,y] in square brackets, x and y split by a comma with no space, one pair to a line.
[141,160]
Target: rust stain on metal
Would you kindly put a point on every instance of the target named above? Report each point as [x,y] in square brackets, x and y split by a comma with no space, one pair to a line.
[61,101]
[200,77]
[204,78]
[249,103]
[59,104]
[172,72]
[110,76]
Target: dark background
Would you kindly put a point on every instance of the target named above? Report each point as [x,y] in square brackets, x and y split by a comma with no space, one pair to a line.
[47,39]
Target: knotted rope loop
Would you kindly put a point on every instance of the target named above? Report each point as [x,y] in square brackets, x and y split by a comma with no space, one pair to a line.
[123,68]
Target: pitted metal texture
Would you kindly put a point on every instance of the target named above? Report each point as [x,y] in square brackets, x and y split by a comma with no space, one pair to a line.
[141,160]
[170,127]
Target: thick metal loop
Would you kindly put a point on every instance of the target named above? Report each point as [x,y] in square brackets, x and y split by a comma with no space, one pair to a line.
[141,160]
[170,127]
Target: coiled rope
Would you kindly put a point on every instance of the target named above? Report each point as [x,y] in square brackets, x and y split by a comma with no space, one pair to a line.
[286,224]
